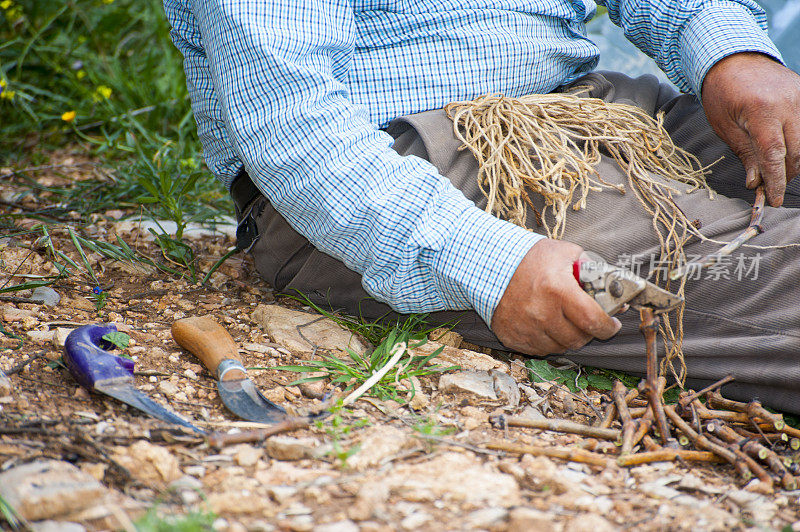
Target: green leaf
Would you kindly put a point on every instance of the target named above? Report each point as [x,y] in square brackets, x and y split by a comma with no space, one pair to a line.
[119,339]
[541,371]
[601,382]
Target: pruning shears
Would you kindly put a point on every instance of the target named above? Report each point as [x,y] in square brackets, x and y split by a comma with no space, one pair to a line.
[616,288]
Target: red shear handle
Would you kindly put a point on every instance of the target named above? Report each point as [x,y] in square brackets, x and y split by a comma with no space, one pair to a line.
[576,268]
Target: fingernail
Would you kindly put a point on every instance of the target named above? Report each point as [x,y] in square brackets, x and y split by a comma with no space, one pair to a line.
[619,323]
[751,177]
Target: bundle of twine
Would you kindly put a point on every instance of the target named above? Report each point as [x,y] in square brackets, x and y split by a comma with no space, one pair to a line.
[550,144]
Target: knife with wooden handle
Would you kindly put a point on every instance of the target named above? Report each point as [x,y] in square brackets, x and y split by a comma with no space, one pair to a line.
[214,347]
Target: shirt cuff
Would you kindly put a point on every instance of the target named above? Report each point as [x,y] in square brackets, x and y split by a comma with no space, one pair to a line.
[477,263]
[718,31]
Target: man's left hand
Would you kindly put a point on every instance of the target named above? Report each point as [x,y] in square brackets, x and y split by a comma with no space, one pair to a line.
[753,104]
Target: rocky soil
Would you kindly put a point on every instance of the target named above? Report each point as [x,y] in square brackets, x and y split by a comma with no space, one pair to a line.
[69,456]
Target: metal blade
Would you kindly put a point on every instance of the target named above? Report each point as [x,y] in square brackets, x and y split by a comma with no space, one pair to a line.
[243,399]
[133,397]
[656,298]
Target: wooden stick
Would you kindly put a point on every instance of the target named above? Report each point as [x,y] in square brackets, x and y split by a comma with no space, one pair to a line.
[702,442]
[564,425]
[755,450]
[754,228]
[753,409]
[628,424]
[686,399]
[750,465]
[649,328]
[608,416]
[786,429]
[668,455]
[569,454]
[611,409]
[219,440]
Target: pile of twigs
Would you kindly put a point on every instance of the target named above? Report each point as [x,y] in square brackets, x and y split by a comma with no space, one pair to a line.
[757,443]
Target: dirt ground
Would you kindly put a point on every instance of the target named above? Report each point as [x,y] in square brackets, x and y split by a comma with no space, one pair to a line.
[426,468]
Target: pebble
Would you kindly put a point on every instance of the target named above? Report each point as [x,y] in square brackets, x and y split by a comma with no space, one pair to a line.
[281,494]
[12,314]
[46,296]
[60,336]
[40,336]
[247,455]
[281,324]
[505,387]
[378,442]
[339,526]
[524,519]
[290,448]
[56,526]
[486,517]
[148,463]
[415,520]
[479,383]
[168,388]
[47,489]
[189,374]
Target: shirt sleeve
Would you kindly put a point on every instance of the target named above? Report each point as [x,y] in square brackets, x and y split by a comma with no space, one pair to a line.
[686,37]
[278,71]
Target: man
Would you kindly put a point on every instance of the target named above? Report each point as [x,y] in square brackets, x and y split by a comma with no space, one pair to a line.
[325,120]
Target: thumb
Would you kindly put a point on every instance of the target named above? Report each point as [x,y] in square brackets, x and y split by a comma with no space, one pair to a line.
[742,145]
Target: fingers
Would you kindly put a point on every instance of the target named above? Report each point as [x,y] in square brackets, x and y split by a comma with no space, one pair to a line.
[740,143]
[589,317]
[770,146]
[791,132]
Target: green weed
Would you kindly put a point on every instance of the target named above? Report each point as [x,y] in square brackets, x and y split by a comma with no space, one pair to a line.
[337,428]
[356,369]
[156,521]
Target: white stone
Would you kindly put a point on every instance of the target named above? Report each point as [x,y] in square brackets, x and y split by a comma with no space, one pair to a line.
[47,489]
[339,526]
[168,388]
[282,324]
[479,383]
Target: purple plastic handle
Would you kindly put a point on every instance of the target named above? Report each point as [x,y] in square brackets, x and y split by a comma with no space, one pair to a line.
[89,363]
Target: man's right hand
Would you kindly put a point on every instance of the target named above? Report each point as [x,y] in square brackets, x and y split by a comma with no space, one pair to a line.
[544,310]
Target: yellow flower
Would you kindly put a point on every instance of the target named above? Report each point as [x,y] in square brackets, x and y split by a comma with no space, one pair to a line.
[107,2]
[80,74]
[102,92]
[7,95]
[5,4]
[3,84]
[69,116]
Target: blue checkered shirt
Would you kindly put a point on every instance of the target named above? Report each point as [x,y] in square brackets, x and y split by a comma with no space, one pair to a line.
[296,92]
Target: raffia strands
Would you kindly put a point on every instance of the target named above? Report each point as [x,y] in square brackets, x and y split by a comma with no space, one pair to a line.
[550,144]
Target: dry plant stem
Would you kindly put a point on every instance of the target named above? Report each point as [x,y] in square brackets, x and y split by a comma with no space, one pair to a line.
[753,409]
[702,442]
[628,424]
[610,413]
[789,431]
[749,464]
[668,455]
[644,426]
[686,399]
[752,230]
[564,425]
[649,328]
[218,440]
[754,450]
[650,444]
[770,438]
[608,416]
[569,454]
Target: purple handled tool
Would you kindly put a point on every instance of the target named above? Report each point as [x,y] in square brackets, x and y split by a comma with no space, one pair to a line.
[100,371]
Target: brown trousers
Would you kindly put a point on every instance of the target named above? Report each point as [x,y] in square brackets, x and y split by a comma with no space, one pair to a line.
[738,320]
